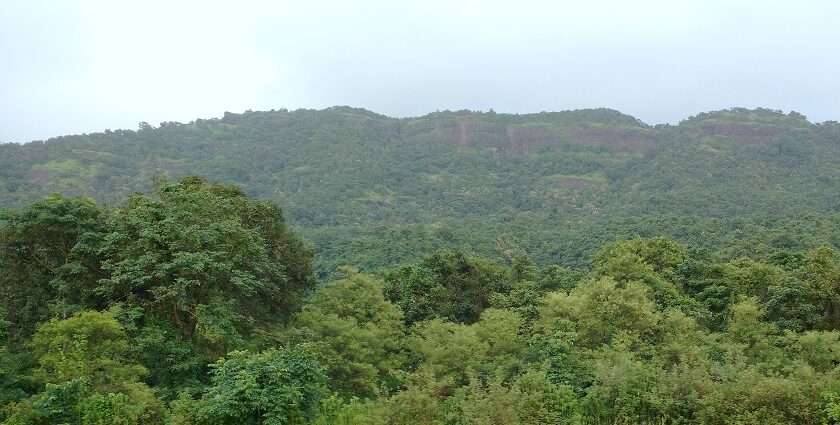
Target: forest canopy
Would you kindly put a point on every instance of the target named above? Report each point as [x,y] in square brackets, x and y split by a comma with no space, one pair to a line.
[373,191]
[456,268]
[196,304]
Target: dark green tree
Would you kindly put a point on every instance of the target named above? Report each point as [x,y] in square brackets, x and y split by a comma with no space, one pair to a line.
[448,285]
[207,258]
[822,275]
[50,261]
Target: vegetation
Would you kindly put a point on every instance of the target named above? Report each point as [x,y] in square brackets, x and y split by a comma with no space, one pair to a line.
[371,191]
[197,305]
[472,268]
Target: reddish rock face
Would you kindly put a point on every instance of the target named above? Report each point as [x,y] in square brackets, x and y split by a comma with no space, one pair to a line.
[40,177]
[522,135]
[470,133]
[749,133]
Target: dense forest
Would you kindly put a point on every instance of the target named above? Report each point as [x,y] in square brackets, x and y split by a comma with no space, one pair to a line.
[196,304]
[343,267]
[371,191]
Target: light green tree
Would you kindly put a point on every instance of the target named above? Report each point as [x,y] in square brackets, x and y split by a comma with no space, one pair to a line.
[600,309]
[274,387]
[87,376]
[357,334]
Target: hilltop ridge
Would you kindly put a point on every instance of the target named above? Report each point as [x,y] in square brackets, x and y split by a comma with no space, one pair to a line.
[559,184]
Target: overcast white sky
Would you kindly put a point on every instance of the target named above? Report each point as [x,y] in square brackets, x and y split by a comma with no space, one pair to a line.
[70,67]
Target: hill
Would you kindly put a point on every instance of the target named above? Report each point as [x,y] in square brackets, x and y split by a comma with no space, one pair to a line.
[372,190]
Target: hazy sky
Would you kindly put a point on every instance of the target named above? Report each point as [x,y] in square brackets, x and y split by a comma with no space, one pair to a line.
[70,67]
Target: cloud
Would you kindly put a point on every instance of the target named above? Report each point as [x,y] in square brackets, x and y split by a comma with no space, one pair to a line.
[85,66]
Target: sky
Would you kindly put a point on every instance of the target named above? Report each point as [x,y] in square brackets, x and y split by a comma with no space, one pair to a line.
[70,67]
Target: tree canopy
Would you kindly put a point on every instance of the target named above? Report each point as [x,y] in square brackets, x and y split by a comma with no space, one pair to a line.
[471,268]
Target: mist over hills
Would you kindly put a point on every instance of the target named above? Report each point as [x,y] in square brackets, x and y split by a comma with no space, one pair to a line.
[554,185]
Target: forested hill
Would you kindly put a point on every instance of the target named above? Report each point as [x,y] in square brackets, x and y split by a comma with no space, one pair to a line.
[371,190]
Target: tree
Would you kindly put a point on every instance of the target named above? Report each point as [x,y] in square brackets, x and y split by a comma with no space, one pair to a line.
[416,292]
[208,259]
[90,345]
[11,378]
[274,387]
[653,262]
[87,376]
[530,400]
[792,305]
[631,259]
[448,285]
[357,334]
[502,331]
[601,309]
[50,261]
[449,350]
[753,337]
[823,276]
[750,397]
[624,390]
[819,349]
[704,281]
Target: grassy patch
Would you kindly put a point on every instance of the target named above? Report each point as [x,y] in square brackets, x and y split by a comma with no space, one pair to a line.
[69,167]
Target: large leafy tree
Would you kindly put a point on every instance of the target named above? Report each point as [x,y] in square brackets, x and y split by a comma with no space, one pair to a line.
[49,260]
[822,274]
[447,285]
[87,376]
[601,309]
[652,262]
[207,258]
[274,387]
[357,334]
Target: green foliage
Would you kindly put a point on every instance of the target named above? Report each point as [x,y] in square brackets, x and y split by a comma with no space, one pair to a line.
[632,259]
[87,376]
[449,350]
[531,399]
[448,285]
[420,402]
[172,307]
[11,379]
[373,191]
[89,345]
[187,273]
[652,262]
[206,258]
[173,364]
[792,305]
[49,254]
[832,406]
[750,397]
[502,330]
[356,333]
[818,349]
[274,387]
[823,276]
[602,309]
[624,389]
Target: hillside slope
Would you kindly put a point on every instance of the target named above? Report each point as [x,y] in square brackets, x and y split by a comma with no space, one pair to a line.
[371,190]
